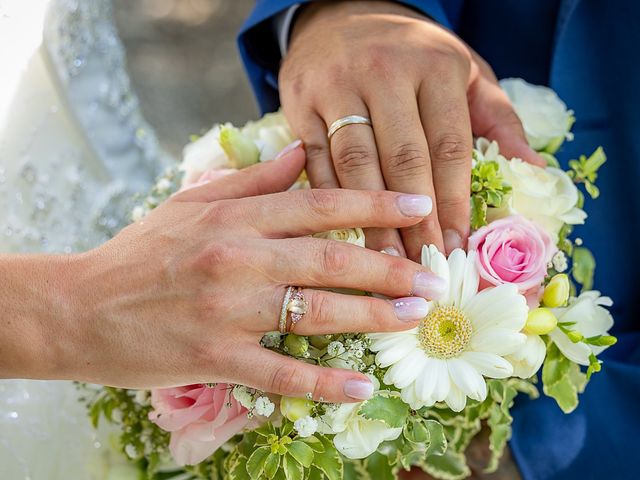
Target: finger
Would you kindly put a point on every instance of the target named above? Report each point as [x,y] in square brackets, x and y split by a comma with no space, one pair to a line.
[445,116]
[314,262]
[266,177]
[313,132]
[356,162]
[303,212]
[493,117]
[406,164]
[330,312]
[286,376]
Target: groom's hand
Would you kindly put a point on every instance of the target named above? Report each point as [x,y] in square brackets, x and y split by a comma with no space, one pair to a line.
[426,93]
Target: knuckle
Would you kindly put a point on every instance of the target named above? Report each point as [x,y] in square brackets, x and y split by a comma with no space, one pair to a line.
[350,158]
[315,151]
[334,259]
[452,148]
[408,159]
[286,379]
[321,202]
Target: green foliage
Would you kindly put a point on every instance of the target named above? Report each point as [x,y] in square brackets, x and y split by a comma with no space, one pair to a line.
[562,379]
[386,407]
[585,170]
[487,190]
[450,466]
[584,265]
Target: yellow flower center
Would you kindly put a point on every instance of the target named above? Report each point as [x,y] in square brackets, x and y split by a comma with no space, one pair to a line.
[445,332]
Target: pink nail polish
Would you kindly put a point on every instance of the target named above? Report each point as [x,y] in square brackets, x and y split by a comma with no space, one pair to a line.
[428,285]
[358,389]
[391,251]
[411,309]
[415,205]
[289,148]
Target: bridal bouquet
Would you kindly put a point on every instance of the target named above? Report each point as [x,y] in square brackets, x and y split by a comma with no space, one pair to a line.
[519,315]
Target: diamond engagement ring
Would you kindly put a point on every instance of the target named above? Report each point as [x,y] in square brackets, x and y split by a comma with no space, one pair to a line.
[348,120]
[294,306]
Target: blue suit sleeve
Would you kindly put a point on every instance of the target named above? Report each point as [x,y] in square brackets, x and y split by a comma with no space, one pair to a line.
[260,53]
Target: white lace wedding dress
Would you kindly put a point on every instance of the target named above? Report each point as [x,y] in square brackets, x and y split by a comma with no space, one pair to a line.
[73,150]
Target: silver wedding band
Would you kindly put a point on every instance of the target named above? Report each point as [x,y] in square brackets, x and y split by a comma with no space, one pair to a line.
[348,120]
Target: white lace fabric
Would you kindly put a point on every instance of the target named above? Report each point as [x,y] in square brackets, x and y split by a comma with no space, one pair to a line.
[74,149]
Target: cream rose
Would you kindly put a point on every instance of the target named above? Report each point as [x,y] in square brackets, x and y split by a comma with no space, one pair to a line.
[546,196]
[545,118]
[270,134]
[354,236]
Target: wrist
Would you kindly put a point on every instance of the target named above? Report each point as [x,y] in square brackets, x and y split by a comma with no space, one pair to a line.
[326,12]
[36,302]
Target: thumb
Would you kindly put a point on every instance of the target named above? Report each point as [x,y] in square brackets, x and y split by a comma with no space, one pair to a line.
[493,117]
[261,179]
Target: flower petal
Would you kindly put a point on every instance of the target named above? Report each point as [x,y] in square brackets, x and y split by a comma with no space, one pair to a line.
[467,379]
[499,306]
[456,400]
[500,341]
[488,364]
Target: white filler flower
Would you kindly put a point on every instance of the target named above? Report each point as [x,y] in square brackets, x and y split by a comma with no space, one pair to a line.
[306,426]
[264,407]
[587,315]
[463,338]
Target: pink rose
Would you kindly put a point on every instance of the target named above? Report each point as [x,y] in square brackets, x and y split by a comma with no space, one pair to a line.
[200,419]
[208,176]
[513,250]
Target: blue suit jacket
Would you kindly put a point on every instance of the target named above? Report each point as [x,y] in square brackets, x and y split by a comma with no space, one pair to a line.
[589,52]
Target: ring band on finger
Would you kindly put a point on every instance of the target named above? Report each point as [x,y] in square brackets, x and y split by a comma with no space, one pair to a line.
[294,307]
[348,120]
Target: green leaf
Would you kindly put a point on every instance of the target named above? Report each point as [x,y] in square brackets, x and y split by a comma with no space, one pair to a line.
[437,439]
[562,379]
[292,469]
[256,462]
[271,465]
[386,407]
[239,470]
[551,160]
[329,462]
[377,465]
[500,425]
[95,412]
[302,452]
[478,212]
[584,266]
[315,444]
[450,466]
[415,431]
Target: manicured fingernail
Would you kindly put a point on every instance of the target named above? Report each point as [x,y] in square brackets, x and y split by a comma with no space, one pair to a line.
[391,251]
[452,240]
[358,389]
[428,285]
[415,205]
[289,148]
[410,309]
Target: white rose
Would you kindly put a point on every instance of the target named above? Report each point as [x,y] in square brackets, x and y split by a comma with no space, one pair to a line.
[546,196]
[354,236]
[271,134]
[203,154]
[545,118]
[355,436]
[528,359]
[590,318]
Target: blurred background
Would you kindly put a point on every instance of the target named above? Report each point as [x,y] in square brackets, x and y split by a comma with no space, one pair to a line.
[185,65]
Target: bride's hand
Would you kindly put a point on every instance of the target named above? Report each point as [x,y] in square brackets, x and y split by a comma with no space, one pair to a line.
[185,295]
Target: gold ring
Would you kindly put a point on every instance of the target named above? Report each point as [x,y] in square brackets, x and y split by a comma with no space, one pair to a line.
[348,120]
[294,306]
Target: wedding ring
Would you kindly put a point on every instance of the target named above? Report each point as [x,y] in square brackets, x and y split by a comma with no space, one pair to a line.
[294,306]
[348,120]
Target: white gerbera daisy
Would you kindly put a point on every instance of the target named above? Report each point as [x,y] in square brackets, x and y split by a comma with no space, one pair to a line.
[465,336]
